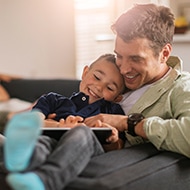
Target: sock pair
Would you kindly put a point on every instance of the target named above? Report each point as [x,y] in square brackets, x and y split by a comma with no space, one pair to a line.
[21,133]
[28,181]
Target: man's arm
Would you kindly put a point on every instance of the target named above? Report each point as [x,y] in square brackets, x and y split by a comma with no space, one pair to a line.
[139,130]
[117,121]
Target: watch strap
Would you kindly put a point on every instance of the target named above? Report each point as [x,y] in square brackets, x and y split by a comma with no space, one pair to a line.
[132,121]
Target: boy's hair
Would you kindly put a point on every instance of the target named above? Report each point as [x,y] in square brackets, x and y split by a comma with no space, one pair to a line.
[155,23]
[108,57]
[111,59]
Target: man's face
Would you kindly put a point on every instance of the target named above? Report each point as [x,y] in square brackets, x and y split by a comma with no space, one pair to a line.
[137,62]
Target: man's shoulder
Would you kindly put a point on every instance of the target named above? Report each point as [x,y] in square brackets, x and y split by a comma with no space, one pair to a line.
[184,78]
[175,62]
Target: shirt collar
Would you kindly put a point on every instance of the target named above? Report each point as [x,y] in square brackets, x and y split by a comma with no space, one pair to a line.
[81,100]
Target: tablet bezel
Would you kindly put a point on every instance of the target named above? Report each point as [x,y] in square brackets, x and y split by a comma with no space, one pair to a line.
[101,133]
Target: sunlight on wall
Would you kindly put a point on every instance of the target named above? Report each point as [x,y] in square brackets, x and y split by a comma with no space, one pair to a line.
[37,38]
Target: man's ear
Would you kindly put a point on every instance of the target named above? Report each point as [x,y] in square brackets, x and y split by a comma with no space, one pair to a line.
[118,98]
[166,51]
[85,71]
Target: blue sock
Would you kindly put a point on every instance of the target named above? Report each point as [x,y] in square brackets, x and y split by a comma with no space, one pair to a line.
[21,133]
[26,181]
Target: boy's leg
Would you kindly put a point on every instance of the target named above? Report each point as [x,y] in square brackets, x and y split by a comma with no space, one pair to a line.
[28,181]
[21,133]
[70,157]
[43,148]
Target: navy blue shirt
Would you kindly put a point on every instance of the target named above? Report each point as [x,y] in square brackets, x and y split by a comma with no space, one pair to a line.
[76,105]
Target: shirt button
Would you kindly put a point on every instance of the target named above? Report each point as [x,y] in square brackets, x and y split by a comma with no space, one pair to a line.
[83,98]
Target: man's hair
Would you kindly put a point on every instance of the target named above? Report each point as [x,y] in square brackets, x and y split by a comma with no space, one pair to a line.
[155,23]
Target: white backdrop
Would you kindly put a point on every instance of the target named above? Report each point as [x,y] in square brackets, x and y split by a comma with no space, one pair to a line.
[37,38]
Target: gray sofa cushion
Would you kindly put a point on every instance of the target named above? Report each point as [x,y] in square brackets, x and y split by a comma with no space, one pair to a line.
[137,168]
[141,167]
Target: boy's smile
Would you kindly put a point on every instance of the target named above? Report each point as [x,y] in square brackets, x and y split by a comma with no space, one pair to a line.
[102,80]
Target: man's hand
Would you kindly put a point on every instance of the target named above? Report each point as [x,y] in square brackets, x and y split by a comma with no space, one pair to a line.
[117,121]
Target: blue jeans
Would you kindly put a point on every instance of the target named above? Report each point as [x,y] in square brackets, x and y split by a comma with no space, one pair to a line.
[58,163]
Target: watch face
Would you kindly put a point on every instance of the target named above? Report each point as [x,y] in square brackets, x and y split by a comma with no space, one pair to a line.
[135,117]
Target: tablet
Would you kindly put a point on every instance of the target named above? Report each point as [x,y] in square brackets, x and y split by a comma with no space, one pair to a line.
[101,133]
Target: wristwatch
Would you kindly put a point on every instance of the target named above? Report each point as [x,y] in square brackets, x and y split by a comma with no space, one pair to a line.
[132,121]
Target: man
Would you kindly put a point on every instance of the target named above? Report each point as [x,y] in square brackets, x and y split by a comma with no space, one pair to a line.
[158,91]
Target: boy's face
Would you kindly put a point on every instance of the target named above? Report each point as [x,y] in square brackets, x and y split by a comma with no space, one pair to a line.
[102,80]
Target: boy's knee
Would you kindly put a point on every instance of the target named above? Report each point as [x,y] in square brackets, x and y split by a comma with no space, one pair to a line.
[83,132]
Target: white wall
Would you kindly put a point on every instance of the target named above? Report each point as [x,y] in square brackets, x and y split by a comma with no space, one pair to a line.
[37,38]
[181,45]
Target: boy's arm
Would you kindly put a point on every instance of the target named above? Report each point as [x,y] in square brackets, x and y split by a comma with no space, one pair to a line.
[70,122]
[115,141]
[49,122]
[114,146]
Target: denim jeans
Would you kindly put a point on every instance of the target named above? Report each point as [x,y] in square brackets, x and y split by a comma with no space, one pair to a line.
[58,163]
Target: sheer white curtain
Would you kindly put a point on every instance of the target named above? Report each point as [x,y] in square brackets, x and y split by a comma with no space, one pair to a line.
[93,19]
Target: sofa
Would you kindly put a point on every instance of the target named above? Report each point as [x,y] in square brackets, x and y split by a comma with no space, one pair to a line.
[141,167]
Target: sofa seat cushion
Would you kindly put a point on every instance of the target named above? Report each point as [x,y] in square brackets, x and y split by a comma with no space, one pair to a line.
[141,168]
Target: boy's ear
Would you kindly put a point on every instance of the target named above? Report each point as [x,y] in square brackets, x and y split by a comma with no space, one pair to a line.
[118,98]
[85,71]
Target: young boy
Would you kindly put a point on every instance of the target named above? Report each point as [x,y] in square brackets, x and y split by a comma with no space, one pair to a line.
[39,162]
[101,85]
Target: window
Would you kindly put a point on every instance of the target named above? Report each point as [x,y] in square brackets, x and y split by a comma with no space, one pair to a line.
[94,37]
[93,19]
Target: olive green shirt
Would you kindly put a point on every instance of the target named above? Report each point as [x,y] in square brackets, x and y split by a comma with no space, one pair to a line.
[166,107]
